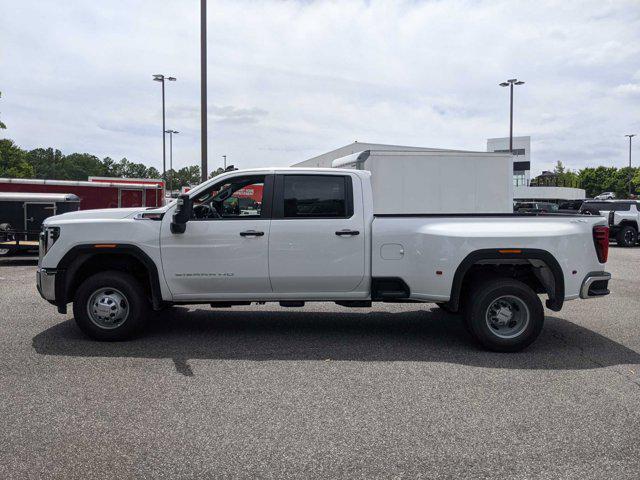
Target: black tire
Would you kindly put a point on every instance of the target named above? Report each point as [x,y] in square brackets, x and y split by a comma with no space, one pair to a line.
[627,236]
[131,299]
[515,298]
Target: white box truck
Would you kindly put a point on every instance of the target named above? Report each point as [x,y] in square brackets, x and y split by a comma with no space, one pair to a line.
[411,180]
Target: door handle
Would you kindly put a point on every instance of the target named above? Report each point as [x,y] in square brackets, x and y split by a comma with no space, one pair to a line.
[347,233]
[251,233]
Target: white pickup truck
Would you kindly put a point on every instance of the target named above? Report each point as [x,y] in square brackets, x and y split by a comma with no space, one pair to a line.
[293,235]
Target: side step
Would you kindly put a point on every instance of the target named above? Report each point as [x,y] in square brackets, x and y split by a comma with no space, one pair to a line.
[354,303]
[292,304]
[227,304]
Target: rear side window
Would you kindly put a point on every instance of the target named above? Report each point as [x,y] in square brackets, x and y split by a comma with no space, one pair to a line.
[616,206]
[316,196]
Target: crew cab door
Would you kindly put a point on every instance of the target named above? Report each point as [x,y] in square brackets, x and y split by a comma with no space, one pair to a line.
[223,254]
[317,238]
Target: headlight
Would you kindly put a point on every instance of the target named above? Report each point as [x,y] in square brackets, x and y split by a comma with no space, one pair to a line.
[48,237]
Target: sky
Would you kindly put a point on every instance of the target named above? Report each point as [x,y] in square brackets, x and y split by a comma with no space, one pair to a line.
[289,80]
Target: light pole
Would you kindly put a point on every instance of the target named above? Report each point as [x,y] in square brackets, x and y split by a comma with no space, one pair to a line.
[510,83]
[161,78]
[203,89]
[630,137]
[225,162]
[171,132]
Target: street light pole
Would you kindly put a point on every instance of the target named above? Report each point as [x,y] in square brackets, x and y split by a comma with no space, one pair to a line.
[630,137]
[225,162]
[203,88]
[510,83]
[161,78]
[171,132]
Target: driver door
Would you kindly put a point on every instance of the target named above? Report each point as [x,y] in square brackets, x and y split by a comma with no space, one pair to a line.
[223,254]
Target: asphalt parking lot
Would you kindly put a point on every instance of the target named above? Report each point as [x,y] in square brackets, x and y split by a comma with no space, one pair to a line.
[320,392]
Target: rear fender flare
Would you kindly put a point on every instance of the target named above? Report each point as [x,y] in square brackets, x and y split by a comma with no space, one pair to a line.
[556,297]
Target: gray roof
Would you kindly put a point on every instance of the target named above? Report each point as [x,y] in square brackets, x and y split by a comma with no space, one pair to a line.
[38,197]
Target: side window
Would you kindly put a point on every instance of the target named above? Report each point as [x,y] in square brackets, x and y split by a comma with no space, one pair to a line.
[239,197]
[316,196]
[622,207]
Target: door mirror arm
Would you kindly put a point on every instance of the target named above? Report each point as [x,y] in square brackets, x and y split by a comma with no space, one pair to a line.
[184,206]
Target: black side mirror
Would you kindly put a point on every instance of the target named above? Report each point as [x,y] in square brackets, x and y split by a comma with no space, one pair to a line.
[182,214]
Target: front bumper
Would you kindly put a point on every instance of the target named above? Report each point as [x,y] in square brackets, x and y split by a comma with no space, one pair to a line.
[595,284]
[46,283]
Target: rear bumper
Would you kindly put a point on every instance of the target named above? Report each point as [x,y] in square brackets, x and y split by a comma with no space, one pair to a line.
[595,284]
[46,283]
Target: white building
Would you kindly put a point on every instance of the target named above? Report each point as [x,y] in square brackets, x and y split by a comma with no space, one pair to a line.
[521,156]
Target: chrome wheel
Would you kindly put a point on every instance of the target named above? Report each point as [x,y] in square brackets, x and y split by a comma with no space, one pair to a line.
[507,316]
[629,237]
[108,308]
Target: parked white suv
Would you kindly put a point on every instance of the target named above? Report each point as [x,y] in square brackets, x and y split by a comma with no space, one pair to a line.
[623,217]
[297,235]
[605,196]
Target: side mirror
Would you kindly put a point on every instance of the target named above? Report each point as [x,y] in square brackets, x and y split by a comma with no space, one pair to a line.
[182,214]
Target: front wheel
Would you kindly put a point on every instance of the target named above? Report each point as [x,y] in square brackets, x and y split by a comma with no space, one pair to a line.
[627,236]
[110,306]
[504,315]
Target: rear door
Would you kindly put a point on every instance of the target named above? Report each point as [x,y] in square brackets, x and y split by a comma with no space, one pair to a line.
[317,238]
[34,215]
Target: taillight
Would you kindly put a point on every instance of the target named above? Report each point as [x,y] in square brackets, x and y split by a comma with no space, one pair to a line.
[601,241]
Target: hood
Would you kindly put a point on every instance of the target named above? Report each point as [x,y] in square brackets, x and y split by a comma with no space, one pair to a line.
[97,214]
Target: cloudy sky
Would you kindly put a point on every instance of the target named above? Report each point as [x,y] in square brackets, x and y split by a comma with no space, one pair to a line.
[289,80]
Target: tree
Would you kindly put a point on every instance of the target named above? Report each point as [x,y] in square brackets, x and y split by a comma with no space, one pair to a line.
[13,161]
[186,176]
[216,172]
[46,163]
[80,166]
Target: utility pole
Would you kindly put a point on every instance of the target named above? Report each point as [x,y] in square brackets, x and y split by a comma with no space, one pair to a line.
[510,83]
[161,78]
[630,176]
[203,88]
[171,132]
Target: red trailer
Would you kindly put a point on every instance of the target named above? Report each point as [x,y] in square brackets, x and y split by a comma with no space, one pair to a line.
[99,192]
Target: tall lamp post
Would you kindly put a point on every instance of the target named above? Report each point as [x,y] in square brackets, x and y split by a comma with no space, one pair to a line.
[203,89]
[510,83]
[630,137]
[171,132]
[161,78]
[224,157]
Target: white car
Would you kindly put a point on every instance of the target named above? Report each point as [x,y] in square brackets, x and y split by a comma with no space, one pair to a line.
[315,238]
[605,196]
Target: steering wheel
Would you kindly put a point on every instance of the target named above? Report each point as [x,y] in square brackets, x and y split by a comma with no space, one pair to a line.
[204,211]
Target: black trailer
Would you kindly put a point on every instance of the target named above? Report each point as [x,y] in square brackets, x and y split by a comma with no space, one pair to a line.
[22,214]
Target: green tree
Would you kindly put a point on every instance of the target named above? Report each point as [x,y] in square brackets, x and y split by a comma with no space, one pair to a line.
[80,166]
[186,176]
[216,172]
[13,161]
[46,163]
